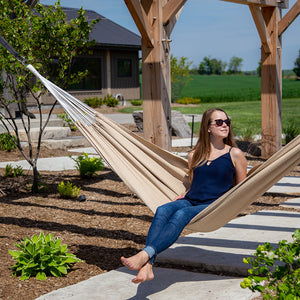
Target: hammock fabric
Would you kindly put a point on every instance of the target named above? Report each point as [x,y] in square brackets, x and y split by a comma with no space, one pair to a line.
[156,176]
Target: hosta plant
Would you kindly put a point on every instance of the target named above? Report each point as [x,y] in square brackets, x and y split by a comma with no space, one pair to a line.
[41,256]
[68,190]
[88,166]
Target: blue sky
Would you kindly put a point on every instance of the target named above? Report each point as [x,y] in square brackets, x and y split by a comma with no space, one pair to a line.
[206,28]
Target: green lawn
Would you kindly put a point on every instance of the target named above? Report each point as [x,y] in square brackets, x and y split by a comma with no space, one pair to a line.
[239,96]
[245,115]
[233,88]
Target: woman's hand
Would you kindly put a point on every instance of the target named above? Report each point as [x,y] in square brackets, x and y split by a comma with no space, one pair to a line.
[181,196]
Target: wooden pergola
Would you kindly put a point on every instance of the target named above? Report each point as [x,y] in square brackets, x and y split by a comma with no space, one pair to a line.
[155,19]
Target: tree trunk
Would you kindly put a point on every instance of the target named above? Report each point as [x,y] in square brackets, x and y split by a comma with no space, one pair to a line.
[35,184]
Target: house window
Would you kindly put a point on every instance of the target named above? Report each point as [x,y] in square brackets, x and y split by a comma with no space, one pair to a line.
[93,79]
[124,67]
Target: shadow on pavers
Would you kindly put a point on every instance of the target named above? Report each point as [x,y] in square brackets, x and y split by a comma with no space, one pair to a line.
[180,284]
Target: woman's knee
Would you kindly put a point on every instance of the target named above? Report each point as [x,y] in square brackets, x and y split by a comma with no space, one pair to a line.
[165,209]
[181,218]
[161,210]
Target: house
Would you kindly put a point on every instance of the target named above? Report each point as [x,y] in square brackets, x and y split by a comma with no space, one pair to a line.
[114,65]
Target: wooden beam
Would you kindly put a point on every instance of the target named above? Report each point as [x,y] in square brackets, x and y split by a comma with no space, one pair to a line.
[271,86]
[290,16]
[170,9]
[261,27]
[263,3]
[169,27]
[156,79]
[140,18]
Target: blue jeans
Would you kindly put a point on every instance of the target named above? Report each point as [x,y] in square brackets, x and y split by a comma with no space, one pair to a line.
[168,223]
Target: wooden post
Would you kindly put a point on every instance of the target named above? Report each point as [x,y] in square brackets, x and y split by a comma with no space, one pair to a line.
[271,85]
[108,71]
[155,20]
[156,81]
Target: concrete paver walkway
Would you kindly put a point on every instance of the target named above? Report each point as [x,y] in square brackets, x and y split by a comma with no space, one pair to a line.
[168,284]
[220,251]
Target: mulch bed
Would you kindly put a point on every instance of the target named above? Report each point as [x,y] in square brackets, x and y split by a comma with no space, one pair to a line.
[111,223]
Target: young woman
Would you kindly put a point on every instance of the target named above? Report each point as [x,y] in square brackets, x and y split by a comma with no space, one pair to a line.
[215,165]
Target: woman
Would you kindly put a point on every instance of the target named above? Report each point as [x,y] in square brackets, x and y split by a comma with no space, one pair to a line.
[215,165]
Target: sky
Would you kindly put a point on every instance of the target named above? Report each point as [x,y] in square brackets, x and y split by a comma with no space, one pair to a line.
[212,28]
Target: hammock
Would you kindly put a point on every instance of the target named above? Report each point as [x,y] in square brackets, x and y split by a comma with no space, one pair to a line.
[156,176]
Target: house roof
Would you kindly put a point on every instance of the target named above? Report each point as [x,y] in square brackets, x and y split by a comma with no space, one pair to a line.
[107,33]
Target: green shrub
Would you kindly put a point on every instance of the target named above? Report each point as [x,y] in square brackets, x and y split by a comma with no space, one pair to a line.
[94,102]
[13,172]
[136,102]
[290,131]
[275,273]
[68,191]
[88,166]
[7,142]
[41,256]
[247,134]
[67,121]
[188,100]
[110,101]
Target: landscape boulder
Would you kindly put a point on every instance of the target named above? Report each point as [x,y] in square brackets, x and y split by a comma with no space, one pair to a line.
[180,127]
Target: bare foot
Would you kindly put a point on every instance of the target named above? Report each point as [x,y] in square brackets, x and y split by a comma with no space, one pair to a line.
[145,274]
[136,262]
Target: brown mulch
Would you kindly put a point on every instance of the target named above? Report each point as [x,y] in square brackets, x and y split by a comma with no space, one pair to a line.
[112,222]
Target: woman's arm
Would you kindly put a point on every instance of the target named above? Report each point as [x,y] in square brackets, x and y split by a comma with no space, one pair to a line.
[190,156]
[240,164]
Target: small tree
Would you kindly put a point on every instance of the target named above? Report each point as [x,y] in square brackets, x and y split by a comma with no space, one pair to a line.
[180,75]
[297,65]
[206,66]
[258,70]
[49,43]
[235,65]
[211,66]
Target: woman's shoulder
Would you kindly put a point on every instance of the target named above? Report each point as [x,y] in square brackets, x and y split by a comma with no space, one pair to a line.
[237,155]
[236,152]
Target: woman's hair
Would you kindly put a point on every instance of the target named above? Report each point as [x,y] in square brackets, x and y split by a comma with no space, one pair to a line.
[202,147]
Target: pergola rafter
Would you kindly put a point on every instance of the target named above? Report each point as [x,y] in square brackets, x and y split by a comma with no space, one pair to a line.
[290,16]
[261,27]
[156,19]
[170,10]
[263,3]
[141,21]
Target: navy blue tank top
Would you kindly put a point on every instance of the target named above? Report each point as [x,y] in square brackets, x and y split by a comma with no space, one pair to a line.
[210,181]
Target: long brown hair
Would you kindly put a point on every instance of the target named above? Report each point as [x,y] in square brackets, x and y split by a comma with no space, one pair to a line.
[202,147]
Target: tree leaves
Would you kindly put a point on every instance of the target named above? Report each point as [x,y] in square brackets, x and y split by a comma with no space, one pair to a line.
[275,272]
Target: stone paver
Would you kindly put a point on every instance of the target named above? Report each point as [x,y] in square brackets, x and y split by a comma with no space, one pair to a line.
[291,203]
[225,248]
[168,284]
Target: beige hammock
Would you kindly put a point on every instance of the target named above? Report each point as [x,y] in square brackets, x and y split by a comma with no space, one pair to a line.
[156,176]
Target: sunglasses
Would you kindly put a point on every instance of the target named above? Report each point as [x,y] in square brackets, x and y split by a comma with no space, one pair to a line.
[219,122]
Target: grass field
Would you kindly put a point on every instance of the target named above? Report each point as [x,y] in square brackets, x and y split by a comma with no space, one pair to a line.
[246,115]
[233,88]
